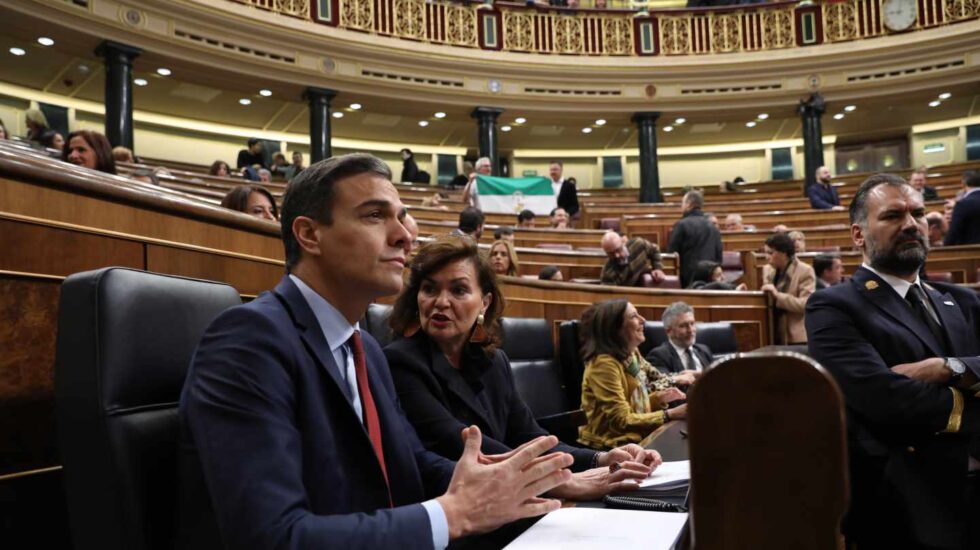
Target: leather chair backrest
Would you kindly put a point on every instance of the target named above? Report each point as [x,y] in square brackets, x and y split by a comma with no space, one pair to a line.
[767,450]
[537,372]
[731,260]
[125,342]
[940,276]
[375,322]
[611,224]
[570,357]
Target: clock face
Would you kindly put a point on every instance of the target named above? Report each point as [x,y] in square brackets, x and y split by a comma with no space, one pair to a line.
[899,15]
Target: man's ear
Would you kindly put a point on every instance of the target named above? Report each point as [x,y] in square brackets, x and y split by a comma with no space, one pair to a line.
[307,234]
[857,235]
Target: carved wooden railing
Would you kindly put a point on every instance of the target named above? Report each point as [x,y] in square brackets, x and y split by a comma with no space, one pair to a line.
[518,27]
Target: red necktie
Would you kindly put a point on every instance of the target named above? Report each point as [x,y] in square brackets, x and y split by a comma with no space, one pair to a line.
[367,401]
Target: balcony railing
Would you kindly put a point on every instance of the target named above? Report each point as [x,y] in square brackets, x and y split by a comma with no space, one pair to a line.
[518,27]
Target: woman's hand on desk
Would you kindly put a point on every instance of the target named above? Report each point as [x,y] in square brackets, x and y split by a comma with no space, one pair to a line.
[630,452]
[669,395]
[598,482]
[686,377]
[678,413]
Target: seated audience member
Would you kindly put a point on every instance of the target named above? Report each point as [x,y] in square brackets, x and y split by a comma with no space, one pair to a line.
[551,273]
[680,355]
[52,139]
[291,433]
[828,269]
[89,149]
[123,154]
[918,181]
[471,193]
[279,164]
[219,168]
[623,396]
[4,134]
[525,218]
[790,282]
[708,275]
[252,157]
[948,207]
[449,373]
[295,168]
[462,179]
[780,228]
[733,222]
[410,170]
[253,200]
[799,241]
[937,228]
[629,260]
[823,195]
[145,175]
[435,201]
[559,218]
[693,238]
[37,124]
[504,233]
[470,224]
[964,227]
[265,176]
[503,258]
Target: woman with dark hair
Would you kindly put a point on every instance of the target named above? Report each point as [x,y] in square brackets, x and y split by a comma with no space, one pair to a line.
[624,397]
[551,273]
[790,282]
[708,275]
[449,373]
[253,200]
[220,168]
[89,149]
[503,258]
[52,139]
[410,170]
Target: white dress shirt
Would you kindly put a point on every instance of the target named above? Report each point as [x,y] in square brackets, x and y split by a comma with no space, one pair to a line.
[680,352]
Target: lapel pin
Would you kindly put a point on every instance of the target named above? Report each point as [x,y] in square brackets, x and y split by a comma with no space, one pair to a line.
[948,303]
[871,285]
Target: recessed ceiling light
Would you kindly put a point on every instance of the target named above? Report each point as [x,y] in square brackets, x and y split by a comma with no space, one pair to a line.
[680,121]
[337,114]
[586,130]
[440,114]
[668,128]
[245,101]
[163,71]
[839,116]
[750,124]
[600,122]
[935,103]
[140,81]
[18,51]
[265,93]
[505,128]
[945,95]
[45,41]
[423,123]
[520,120]
[355,106]
[763,116]
[850,108]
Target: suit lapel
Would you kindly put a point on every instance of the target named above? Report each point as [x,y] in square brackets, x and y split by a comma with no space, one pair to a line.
[675,357]
[884,297]
[952,320]
[454,382]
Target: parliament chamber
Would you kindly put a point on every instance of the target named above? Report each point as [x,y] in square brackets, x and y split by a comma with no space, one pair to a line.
[640,102]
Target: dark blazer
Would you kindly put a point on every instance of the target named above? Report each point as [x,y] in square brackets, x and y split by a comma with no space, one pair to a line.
[823,197]
[568,198]
[440,401]
[272,452]
[246,158]
[665,357]
[410,170]
[908,481]
[964,228]
[694,239]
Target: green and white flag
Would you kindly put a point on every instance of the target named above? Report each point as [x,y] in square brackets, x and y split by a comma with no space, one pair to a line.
[511,195]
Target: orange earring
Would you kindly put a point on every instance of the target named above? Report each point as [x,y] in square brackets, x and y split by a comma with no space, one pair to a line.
[479,334]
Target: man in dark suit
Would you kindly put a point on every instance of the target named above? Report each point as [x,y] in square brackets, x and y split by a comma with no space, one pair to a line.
[964,227]
[823,195]
[694,238]
[565,191]
[680,352]
[291,433]
[918,181]
[905,355]
[828,269]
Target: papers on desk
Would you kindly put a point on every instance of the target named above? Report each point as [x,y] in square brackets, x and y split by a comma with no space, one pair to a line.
[670,479]
[587,528]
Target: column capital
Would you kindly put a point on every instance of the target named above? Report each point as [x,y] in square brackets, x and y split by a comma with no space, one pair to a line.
[486,112]
[813,105]
[314,93]
[118,50]
[646,116]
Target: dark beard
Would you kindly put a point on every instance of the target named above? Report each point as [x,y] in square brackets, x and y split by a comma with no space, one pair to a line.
[899,262]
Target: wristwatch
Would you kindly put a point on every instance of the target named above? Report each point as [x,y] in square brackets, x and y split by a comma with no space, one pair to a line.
[957,367]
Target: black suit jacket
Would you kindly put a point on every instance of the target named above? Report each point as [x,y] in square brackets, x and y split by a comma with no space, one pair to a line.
[908,481]
[694,239]
[440,400]
[665,357]
[964,228]
[568,198]
[272,451]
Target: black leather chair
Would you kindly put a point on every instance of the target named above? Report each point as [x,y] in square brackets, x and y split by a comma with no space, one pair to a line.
[125,342]
[538,376]
[375,322]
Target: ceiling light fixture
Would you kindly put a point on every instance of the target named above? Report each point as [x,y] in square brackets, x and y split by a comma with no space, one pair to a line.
[750,124]
[945,95]
[505,128]
[850,108]
[680,121]
[520,120]
[18,51]
[423,123]
[355,106]
[839,116]
[245,101]
[140,81]
[935,103]
[600,122]
[163,71]
[440,114]
[265,93]
[45,41]
[668,128]
[337,114]
[763,116]
[586,130]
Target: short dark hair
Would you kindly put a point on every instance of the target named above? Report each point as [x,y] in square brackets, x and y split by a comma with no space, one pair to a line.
[311,194]
[216,165]
[858,211]
[501,232]
[695,198]
[253,141]
[406,150]
[782,242]
[47,138]
[525,215]
[558,162]
[470,219]
[971,178]
[431,258]
[547,272]
[602,329]
[104,162]
[237,198]
[703,271]
[555,209]
[823,262]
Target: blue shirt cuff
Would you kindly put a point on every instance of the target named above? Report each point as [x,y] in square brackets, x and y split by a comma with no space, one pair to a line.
[437,520]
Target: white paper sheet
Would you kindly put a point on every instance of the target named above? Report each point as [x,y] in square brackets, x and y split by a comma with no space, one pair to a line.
[669,474]
[588,528]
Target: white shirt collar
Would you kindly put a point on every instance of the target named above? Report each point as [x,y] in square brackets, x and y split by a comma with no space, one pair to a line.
[335,327]
[901,286]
